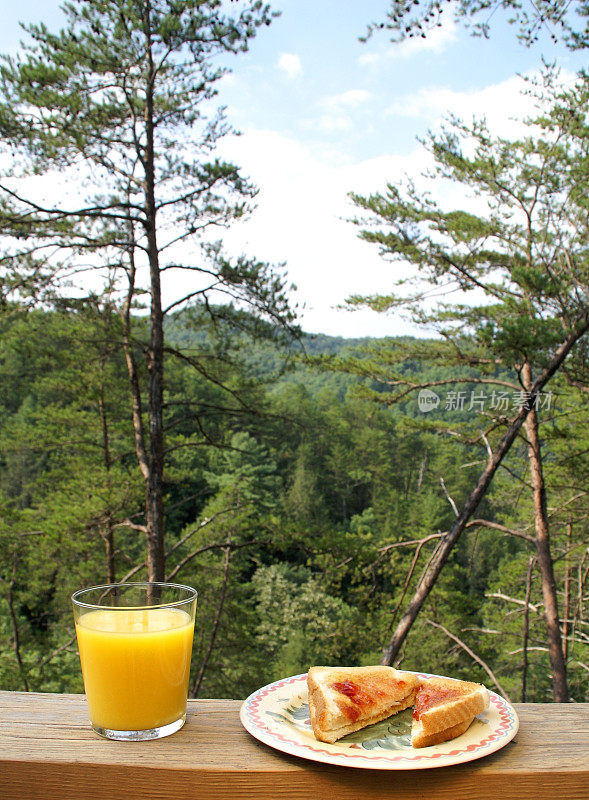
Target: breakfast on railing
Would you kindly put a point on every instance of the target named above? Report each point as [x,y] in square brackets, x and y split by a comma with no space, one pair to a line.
[343,700]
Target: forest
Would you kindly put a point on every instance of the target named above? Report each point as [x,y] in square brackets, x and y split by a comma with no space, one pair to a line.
[301,509]
[415,501]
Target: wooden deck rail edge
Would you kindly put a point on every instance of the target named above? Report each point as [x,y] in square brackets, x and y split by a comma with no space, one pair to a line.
[48,751]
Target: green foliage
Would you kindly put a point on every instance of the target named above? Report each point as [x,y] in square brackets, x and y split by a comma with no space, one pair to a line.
[561,21]
[288,522]
[302,510]
[299,622]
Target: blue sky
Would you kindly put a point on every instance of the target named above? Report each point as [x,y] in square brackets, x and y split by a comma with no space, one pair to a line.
[311,56]
[322,114]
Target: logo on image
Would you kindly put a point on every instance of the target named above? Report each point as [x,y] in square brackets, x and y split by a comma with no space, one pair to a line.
[427,400]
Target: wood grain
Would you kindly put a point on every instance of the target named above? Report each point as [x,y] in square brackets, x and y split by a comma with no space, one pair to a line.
[48,751]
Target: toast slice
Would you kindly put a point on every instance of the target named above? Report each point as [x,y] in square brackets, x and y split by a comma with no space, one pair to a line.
[345,699]
[444,709]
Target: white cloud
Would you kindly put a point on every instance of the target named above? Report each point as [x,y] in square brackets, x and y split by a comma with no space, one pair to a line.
[436,41]
[351,98]
[369,59]
[503,105]
[329,123]
[303,203]
[302,218]
[291,64]
[336,111]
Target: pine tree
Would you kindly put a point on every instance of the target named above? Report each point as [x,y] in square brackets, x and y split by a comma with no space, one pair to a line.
[117,106]
[526,252]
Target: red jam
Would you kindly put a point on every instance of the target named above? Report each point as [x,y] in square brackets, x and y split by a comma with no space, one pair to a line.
[432,696]
[361,698]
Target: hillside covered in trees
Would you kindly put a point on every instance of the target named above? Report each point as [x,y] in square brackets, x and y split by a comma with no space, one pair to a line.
[302,509]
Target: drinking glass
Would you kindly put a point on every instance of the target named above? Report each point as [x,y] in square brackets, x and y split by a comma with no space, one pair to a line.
[135,643]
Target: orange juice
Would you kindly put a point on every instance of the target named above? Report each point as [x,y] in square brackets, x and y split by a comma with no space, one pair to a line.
[136,665]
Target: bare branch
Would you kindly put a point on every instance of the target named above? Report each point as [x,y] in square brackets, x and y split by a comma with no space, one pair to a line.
[525,642]
[16,643]
[137,568]
[409,542]
[473,655]
[204,549]
[450,500]
[50,656]
[135,526]
[487,445]
[496,526]
[197,683]
[200,526]
[516,600]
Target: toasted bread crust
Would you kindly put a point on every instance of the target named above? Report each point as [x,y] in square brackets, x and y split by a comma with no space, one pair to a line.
[343,700]
[334,734]
[449,716]
[420,739]
[331,712]
[472,700]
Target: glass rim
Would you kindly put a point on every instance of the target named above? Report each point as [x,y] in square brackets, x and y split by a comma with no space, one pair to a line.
[106,587]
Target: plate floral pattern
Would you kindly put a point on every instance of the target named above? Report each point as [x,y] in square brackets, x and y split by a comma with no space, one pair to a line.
[278,715]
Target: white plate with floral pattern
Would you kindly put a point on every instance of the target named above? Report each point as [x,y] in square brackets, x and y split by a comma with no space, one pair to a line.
[278,715]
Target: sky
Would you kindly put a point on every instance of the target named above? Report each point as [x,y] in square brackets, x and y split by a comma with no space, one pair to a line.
[321,114]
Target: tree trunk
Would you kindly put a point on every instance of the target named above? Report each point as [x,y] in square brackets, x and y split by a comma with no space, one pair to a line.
[526,633]
[154,486]
[428,579]
[15,630]
[543,553]
[105,527]
[132,371]
[567,594]
[106,532]
[203,667]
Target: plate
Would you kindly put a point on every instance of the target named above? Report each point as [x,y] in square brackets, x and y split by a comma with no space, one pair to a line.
[278,715]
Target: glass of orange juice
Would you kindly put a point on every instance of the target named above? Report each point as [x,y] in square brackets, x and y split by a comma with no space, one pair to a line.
[135,643]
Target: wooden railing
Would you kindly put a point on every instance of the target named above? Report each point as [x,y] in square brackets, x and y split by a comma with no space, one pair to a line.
[48,751]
